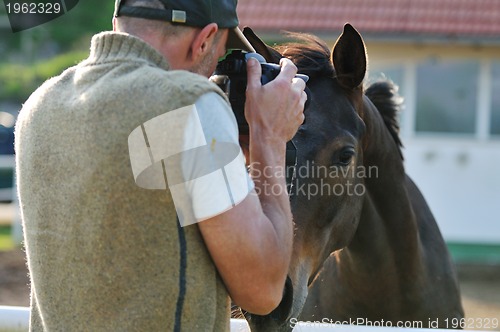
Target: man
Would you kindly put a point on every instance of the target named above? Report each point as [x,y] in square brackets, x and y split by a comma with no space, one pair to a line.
[99,193]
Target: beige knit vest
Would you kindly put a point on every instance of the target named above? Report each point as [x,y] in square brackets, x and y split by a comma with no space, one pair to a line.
[104,254]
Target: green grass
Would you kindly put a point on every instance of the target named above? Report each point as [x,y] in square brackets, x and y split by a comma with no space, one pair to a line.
[6,242]
[474,252]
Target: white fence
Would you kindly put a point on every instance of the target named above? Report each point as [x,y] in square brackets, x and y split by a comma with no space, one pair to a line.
[16,319]
[9,212]
[7,162]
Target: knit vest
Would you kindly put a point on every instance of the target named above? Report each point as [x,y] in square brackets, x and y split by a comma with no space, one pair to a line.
[103,253]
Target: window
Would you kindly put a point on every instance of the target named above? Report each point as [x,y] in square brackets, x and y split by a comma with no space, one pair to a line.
[394,73]
[495,95]
[446,96]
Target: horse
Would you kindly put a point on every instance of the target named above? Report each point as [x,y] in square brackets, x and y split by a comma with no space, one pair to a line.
[366,245]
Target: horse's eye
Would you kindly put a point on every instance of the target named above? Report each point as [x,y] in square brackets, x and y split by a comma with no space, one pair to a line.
[345,156]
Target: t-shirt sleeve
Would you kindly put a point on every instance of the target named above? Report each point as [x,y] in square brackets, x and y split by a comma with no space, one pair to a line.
[193,151]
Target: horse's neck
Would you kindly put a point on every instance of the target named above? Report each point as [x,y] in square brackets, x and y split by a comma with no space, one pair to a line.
[387,218]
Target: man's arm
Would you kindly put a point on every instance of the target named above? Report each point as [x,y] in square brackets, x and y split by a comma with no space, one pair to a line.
[251,244]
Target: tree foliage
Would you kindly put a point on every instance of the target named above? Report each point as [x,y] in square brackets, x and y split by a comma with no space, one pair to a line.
[69,32]
[29,57]
[86,19]
[18,81]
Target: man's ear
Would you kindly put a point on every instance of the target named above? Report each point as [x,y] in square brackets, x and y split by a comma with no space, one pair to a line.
[202,41]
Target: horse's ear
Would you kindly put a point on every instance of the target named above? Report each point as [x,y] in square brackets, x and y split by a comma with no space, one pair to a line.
[271,55]
[349,58]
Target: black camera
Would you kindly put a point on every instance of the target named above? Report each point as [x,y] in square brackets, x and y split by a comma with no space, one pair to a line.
[231,76]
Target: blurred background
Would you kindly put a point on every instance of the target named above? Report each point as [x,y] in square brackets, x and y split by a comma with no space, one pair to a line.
[443,54]
[445,57]
[28,58]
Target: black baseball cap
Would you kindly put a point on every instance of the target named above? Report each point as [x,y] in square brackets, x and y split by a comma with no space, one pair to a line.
[195,13]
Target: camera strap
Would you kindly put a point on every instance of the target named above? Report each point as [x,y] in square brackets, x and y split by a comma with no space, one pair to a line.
[290,165]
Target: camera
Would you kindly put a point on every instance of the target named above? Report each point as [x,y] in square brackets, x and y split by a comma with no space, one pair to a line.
[231,76]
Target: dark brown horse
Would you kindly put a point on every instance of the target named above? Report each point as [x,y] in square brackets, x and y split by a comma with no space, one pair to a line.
[354,207]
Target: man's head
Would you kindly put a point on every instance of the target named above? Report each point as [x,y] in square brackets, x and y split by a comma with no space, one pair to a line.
[191,34]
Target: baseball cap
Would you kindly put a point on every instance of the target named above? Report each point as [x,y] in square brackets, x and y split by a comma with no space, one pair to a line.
[195,13]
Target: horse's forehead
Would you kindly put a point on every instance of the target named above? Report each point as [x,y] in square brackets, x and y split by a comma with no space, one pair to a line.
[327,91]
[332,108]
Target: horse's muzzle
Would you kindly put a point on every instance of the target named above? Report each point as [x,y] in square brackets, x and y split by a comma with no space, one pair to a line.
[277,320]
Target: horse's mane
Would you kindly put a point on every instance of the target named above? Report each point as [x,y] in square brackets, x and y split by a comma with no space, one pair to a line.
[312,57]
[384,95]
[309,53]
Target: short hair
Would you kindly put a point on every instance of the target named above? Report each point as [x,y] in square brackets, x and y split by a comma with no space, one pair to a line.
[138,26]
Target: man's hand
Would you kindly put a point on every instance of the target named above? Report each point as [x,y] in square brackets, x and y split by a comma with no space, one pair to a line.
[275,110]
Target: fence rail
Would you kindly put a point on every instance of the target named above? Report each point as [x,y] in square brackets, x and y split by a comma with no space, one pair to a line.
[16,319]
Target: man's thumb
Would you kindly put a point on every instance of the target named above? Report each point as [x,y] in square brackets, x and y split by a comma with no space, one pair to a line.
[254,72]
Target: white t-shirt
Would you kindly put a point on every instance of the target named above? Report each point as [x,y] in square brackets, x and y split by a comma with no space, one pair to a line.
[193,151]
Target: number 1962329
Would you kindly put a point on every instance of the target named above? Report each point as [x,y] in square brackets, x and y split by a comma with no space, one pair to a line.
[471,323]
[33,8]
